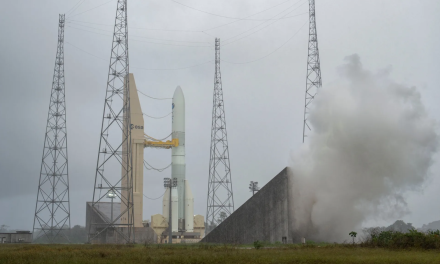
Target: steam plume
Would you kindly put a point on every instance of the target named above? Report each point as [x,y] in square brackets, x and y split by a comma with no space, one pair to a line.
[372,141]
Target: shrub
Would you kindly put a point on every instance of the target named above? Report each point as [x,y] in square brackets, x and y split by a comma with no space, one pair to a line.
[411,239]
[258,244]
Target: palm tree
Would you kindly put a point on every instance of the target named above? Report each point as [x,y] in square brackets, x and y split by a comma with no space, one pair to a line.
[222,216]
[353,235]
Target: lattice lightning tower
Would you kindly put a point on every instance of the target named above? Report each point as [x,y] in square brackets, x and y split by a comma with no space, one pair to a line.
[220,202]
[52,209]
[114,177]
[313,82]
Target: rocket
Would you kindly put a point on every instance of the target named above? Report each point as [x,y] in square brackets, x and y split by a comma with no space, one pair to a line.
[182,198]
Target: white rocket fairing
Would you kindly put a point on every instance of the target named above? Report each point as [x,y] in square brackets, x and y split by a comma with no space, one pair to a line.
[183,213]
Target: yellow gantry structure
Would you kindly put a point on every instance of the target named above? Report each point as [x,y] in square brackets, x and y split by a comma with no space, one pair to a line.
[162,144]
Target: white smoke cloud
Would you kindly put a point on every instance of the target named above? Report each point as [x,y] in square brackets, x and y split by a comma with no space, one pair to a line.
[372,141]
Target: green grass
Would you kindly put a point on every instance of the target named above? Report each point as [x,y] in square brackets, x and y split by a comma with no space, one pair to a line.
[203,253]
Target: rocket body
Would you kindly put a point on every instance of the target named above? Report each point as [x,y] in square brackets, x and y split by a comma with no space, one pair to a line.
[182,200]
[178,153]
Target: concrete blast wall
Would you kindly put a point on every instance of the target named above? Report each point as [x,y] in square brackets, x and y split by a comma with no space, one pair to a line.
[97,218]
[264,217]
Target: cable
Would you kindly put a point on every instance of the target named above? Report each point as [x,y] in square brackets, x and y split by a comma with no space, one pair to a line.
[89,31]
[212,36]
[266,25]
[153,97]
[157,139]
[155,198]
[250,15]
[80,2]
[137,40]
[92,8]
[76,24]
[174,69]
[168,44]
[153,29]
[227,43]
[147,69]
[86,51]
[203,42]
[271,52]
[193,8]
[157,117]
[199,31]
[152,168]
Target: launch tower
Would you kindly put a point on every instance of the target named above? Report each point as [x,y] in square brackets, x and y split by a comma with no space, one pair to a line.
[52,209]
[114,175]
[220,202]
[313,80]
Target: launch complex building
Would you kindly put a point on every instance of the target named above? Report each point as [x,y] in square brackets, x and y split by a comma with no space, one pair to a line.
[265,216]
[116,214]
[186,227]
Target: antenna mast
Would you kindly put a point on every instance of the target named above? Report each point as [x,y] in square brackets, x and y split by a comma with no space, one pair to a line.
[220,203]
[114,177]
[313,82]
[52,209]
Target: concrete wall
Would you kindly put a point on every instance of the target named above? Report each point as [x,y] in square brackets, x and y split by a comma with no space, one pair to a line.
[264,217]
[96,223]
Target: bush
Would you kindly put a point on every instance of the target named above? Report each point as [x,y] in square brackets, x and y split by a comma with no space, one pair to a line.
[411,239]
[258,244]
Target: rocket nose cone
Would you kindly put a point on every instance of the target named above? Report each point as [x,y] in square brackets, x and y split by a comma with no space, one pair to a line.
[178,93]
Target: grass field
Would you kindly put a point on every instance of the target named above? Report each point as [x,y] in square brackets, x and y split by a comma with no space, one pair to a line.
[209,254]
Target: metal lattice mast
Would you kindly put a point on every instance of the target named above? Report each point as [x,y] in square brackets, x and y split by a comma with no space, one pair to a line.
[220,202]
[52,209]
[313,82]
[114,178]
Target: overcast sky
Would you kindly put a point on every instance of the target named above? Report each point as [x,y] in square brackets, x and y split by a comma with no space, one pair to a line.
[263,73]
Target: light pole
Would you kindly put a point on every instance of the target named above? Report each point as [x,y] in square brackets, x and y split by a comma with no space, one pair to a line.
[170,183]
[112,196]
[253,187]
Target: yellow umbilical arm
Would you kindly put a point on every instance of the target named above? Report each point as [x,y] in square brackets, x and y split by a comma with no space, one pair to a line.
[161,144]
